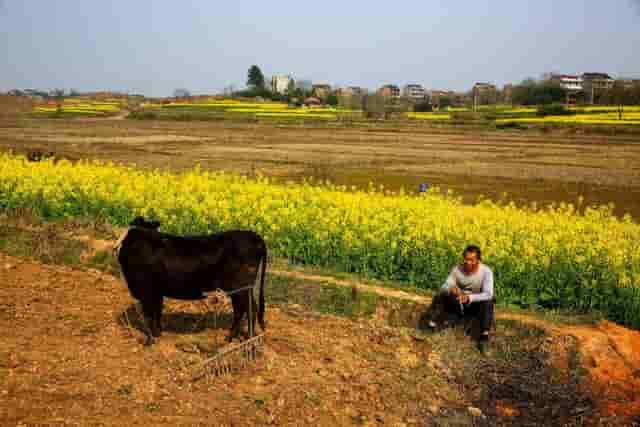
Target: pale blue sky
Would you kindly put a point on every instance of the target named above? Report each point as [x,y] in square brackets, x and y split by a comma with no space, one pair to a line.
[154,47]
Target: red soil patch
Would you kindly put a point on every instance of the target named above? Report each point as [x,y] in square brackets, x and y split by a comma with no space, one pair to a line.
[611,355]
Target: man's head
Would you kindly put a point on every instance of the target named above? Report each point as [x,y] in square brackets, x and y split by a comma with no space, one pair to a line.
[471,258]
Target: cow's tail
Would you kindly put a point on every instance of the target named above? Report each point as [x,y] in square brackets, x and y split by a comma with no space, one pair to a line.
[261,297]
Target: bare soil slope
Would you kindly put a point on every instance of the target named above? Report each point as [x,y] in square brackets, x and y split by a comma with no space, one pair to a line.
[68,358]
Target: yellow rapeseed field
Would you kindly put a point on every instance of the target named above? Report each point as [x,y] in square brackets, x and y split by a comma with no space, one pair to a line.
[551,257]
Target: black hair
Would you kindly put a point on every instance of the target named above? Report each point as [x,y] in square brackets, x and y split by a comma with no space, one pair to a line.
[473,249]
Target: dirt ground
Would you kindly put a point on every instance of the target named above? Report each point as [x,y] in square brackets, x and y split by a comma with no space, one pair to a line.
[69,358]
[529,166]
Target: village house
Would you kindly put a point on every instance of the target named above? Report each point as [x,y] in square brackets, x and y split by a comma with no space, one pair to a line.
[280,83]
[573,85]
[484,94]
[321,90]
[414,92]
[389,91]
[596,86]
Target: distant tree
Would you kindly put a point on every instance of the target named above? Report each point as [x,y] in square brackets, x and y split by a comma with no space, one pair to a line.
[553,110]
[373,106]
[332,99]
[57,93]
[351,101]
[635,93]
[530,92]
[181,93]
[423,107]
[291,87]
[620,96]
[255,78]
[445,102]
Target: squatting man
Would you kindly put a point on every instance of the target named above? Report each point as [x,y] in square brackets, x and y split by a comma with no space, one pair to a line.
[467,293]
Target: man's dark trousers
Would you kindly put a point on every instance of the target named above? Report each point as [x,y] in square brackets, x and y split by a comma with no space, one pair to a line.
[446,307]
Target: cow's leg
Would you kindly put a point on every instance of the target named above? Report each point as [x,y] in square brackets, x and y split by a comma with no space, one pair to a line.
[148,311]
[156,327]
[239,308]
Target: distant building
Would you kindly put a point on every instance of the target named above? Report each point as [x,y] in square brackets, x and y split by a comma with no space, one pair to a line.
[573,85]
[567,81]
[321,90]
[389,91]
[414,92]
[596,86]
[312,101]
[280,83]
[484,94]
[351,97]
[629,84]
[351,91]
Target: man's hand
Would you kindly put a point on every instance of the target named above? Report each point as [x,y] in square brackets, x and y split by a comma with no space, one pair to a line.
[463,299]
[455,291]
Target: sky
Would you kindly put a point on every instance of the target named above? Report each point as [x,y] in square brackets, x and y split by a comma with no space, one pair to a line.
[154,47]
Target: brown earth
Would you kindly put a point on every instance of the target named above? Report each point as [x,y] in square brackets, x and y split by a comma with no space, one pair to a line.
[69,359]
[609,352]
[529,166]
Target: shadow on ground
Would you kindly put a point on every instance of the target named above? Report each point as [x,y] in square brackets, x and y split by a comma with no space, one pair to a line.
[178,322]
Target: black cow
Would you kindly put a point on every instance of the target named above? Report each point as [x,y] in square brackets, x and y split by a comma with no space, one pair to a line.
[157,265]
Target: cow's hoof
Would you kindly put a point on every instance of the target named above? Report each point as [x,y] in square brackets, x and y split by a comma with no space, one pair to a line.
[156,333]
[148,340]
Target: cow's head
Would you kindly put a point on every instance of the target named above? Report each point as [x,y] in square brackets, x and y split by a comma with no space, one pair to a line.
[141,222]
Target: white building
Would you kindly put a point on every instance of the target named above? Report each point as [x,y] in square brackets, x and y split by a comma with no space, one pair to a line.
[568,82]
[280,84]
[414,91]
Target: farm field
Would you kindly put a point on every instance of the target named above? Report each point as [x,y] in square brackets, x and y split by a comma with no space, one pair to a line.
[230,109]
[530,167]
[233,109]
[75,107]
[504,115]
